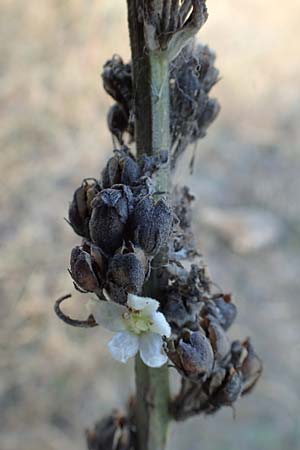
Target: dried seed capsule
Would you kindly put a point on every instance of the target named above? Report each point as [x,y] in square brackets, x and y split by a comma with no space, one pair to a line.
[127,271]
[117,81]
[196,354]
[99,260]
[152,225]
[111,174]
[229,391]
[122,168]
[227,309]
[130,170]
[219,340]
[251,369]
[238,354]
[192,355]
[82,270]
[117,121]
[181,313]
[212,109]
[221,309]
[111,208]
[216,380]
[80,207]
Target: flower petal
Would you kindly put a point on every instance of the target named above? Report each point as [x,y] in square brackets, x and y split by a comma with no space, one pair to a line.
[147,304]
[151,350]
[108,314]
[160,325]
[123,346]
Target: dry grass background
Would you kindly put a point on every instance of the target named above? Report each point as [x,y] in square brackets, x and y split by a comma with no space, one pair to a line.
[55,380]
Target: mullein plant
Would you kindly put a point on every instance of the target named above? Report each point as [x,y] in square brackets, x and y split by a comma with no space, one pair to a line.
[137,261]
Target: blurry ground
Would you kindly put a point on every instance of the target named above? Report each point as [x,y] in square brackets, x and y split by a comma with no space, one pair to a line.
[56,380]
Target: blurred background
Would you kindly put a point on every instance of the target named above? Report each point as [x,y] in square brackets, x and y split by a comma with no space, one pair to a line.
[55,380]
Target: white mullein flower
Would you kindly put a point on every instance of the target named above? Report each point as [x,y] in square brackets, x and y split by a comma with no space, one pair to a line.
[139,327]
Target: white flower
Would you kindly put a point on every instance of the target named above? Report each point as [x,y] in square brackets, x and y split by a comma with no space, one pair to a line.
[139,327]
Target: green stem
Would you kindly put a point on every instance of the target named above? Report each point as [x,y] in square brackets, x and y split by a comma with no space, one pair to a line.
[152,125]
[152,410]
[160,102]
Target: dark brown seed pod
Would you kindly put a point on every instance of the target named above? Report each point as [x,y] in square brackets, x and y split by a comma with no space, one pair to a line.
[117,81]
[192,75]
[181,313]
[238,354]
[251,369]
[117,121]
[99,260]
[130,170]
[151,225]
[218,339]
[229,391]
[80,207]
[192,355]
[82,270]
[221,309]
[111,208]
[227,309]
[111,174]
[122,168]
[216,380]
[127,271]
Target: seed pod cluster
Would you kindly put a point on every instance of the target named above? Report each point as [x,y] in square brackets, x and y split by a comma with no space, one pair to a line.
[234,377]
[117,81]
[185,298]
[122,225]
[214,372]
[192,76]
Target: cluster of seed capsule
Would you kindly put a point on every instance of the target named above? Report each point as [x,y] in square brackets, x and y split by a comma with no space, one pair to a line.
[215,372]
[122,227]
[192,110]
[124,224]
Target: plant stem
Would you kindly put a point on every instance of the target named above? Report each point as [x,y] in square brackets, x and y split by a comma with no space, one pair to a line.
[152,125]
[152,408]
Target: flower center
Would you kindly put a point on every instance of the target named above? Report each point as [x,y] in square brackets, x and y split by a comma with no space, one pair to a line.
[137,322]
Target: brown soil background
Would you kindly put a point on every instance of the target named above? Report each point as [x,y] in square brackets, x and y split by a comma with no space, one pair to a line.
[55,380]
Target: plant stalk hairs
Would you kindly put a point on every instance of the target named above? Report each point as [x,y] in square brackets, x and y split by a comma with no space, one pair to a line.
[137,260]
